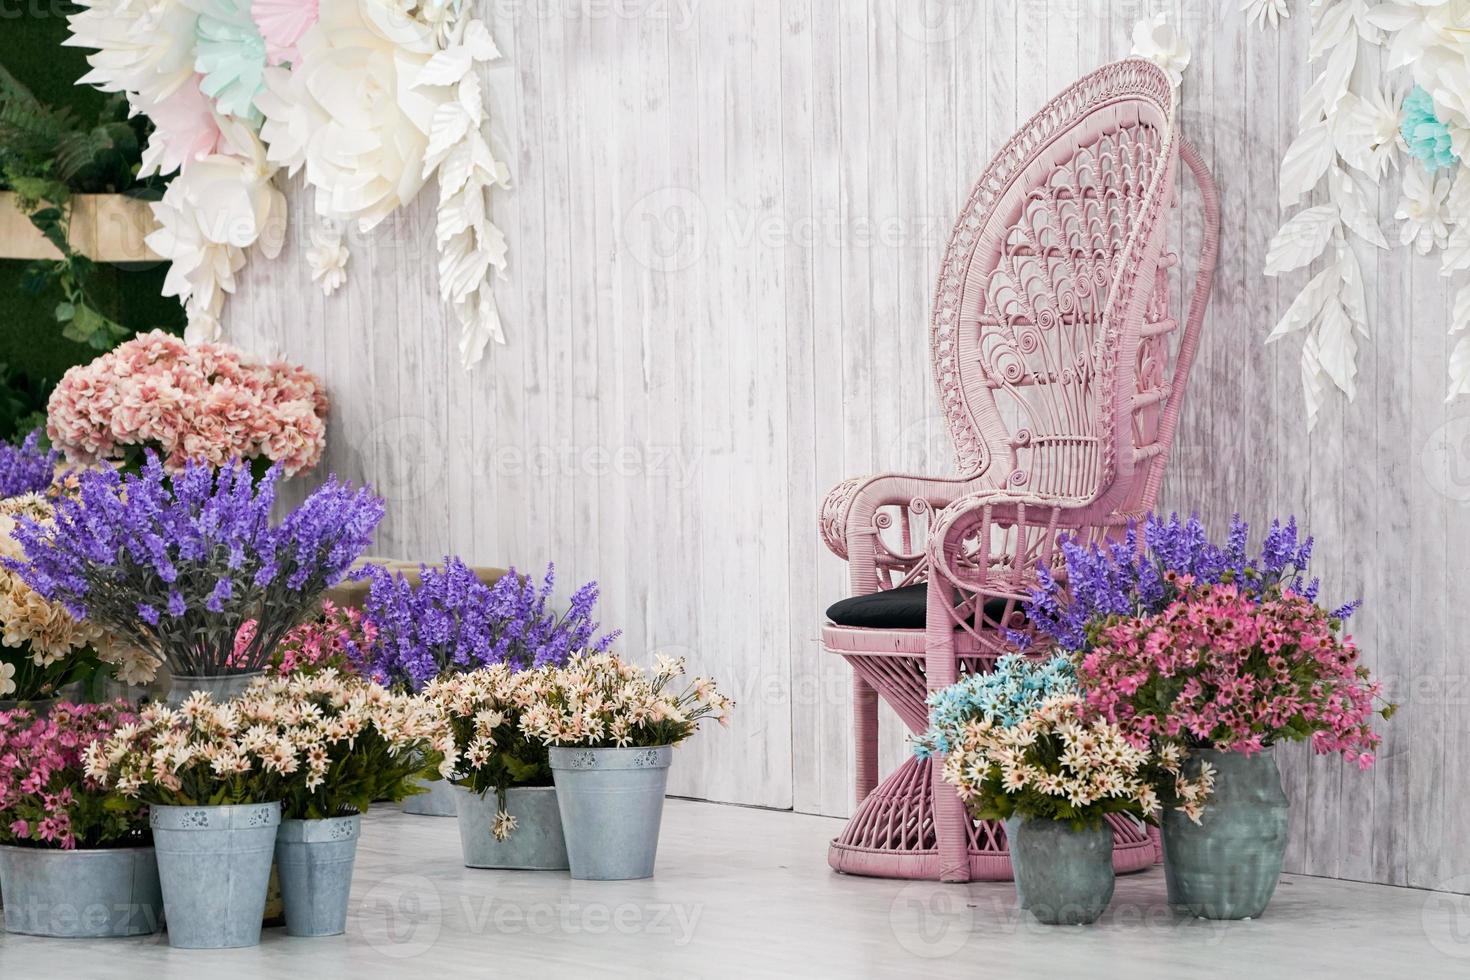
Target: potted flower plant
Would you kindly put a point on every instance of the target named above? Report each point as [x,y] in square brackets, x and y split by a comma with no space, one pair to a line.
[359,744]
[213,776]
[176,565]
[612,728]
[188,402]
[1183,642]
[1054,777]
[330,641]
[451,622]
[508,816]
[75,859]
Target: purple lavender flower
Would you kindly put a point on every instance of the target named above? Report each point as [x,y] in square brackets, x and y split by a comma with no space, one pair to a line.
[24,468]
[201,546]
[454,622]
[1129,577]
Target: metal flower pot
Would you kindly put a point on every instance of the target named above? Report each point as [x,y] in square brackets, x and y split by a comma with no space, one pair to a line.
[221,687]
[314,860]
[40,707]
[1065,875]
[537,843]
[1012,826]
[1227,866]
[611,803]
[214,863]
[438,801]
[90,894]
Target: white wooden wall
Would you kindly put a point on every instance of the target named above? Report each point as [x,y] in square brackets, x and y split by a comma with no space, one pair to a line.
[725,227]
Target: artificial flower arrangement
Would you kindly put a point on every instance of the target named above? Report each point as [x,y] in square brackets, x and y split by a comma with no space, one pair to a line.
[452,622]
[603,701]
[330,641]
[368,98]
[45,647]
[47,799]
[176,566]
[200,402]
[1184,641]
[484,709]
[1005,696]
[26,468]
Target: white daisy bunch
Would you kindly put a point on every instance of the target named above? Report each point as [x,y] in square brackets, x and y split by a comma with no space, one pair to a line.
[604,701]
[1055,765]
[323,744]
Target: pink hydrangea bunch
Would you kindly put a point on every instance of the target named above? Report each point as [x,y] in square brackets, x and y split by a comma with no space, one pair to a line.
[326,642]
[46,800]
[208,402]
[1229,669]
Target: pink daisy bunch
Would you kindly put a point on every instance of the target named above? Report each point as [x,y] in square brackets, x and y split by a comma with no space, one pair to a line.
[205,402]
[330,641]
[46,800]
[1225,668]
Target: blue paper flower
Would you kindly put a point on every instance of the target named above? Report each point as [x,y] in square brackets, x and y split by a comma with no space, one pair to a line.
[1428,138]
[230,54]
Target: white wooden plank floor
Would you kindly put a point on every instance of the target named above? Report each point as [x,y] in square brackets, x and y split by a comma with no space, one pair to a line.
[743,893]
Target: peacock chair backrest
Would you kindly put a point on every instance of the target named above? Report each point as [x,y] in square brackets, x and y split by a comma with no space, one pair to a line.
[1048,334]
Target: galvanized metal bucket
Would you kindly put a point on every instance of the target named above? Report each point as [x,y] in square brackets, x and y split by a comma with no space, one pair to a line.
[221,687]
[611,803]
[1065,875]
[1227,866]
[91,894]
[314,860]
[1013,826]
[439,801]
[214,863]
[536,844]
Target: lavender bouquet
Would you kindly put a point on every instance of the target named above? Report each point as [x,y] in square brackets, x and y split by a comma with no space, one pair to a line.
[25,468]
[1136,577]
[177,564]
[454,623]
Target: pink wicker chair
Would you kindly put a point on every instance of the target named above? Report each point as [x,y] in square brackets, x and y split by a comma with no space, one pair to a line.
[1061,373]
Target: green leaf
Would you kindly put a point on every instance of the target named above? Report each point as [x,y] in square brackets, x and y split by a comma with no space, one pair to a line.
[65,311]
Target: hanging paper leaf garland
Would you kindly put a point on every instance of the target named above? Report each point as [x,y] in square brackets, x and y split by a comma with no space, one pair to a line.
[368,98]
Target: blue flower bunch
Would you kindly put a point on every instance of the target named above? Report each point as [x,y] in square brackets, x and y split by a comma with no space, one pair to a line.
[1425,134]
[178,564]
[1006,696]
[1129,577]
[452,622]
[25,468]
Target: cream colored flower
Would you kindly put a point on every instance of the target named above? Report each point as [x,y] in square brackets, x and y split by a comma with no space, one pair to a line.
[1265,11]
[142,46]
[1422,210]
[1158,42]
[348,112]
[7,678]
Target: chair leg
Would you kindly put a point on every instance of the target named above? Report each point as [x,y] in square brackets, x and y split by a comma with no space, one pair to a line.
[951,821]
[865,736]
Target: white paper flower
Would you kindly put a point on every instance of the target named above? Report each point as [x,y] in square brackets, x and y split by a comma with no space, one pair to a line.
[143,46]
[348,112]
[1367,131]
[327,256]
[1158,42]
[1422,210]
[1265,11]
[215,209]
[184,129]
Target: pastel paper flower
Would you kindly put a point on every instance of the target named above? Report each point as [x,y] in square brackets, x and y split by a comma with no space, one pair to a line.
[143,48]
[282,24]
[1427,138]
[1157,41]
[327,257]
[184,130]
[230,54]
[1422,210]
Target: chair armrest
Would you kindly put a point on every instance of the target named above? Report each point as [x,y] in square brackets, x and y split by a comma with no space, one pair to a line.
[992,542]
[849,507]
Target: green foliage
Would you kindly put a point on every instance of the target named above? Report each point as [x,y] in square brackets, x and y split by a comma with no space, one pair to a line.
[47,154]
[22,403]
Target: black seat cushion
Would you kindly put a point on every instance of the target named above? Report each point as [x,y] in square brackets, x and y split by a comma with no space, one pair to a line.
[894,609]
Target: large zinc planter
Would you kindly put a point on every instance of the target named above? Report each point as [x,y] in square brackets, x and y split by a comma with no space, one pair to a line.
[221,687]
[314,860]
[438,800]
[81,894]
[536,844]
[1063,876]
[1227,866]
[611,803]
[214,863]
